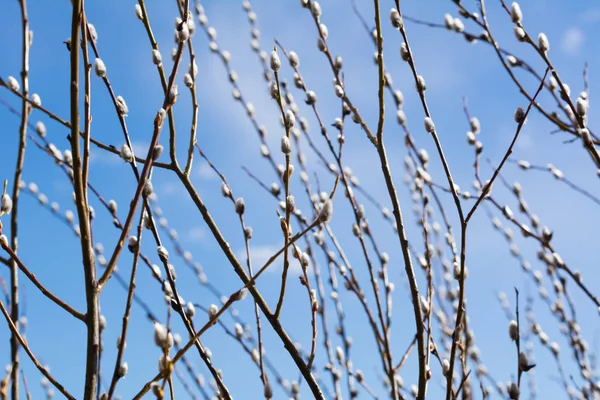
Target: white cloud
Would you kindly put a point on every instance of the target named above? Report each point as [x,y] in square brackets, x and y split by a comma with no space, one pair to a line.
[261,254]
[592,15]
[206,172]
[572,40]
[196,234]
[140,149]
[100,156]
[525,142]
[170,188]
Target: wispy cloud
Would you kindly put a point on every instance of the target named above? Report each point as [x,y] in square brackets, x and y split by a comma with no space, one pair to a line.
[592,15]
[196,234]
[204,171]
[140,148]
[572,40]
[170,188]
[261,254]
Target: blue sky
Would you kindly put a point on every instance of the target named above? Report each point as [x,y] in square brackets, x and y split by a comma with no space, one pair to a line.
[452,67]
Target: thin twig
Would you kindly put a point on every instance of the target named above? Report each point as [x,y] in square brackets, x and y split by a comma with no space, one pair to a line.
[25,346]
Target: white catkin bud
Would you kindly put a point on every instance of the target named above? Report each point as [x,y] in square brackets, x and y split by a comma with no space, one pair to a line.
[520,34]
[225,191]
[507,212]
[523,362]
[404,54]
[401,117]
[212,33]
[339,62]
[36,100]
[471,138]
[523,164]
[212,311]
[138,12]
[163,254]
[311,98]
[515,13]
[449,22]
[255,355]
[339,353]
[13,84]
[286,145]
[552,83]
[102,322]
[156,271]
[123,369]
[290,118]
[160,335]
[324,30]
[338,124]
[294,59]
[122,106]
[40,129]
[250,109]
[274,90]
[585,136]
[396,19]
[315,8]
[190,310]
[421,84]
[445,367]
[239,331]
[429,126]
[188,81]
[274,61]
[182,32]
[191,25]
[68,157]
[264,150]
[475,125]
[513,330]
[359,376]
[132,243]
[158,150]
[513,391]
[126,153]
[519,115]
[557,173]
[326,211]
[543,42]
[240,206]
[459,26]
[156,57]
[7,204]
[148,189]
[275,189]
[173,93]
[582,106]
[162,113]
[100,68]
